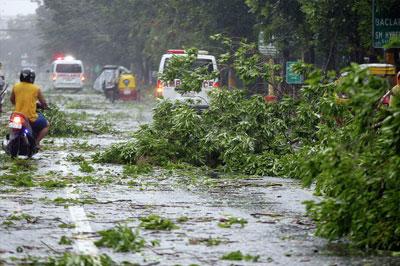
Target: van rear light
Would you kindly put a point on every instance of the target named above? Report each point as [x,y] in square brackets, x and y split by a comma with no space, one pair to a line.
[176,51]
[216,85]
[54,77]
[83,77]
[159,89]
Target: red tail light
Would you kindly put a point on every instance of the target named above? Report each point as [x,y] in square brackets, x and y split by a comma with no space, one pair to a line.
[159,89]
[159,84]
[176,51]
[17,119]
[54,77]
[216,85]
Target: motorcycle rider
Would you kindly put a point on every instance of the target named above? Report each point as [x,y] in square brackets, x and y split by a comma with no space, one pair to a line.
[25,96]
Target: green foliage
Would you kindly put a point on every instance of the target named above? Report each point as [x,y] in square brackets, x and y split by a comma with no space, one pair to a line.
[249,64]
[238,133]
[71,201]
[85,167]
[18,180]
[318,30]
[356,167]
[239,256]
[118,153]
[121,239]
[92,180]
[349,149]
[60,123]
[20,217]
[84,146]
[53,184]
[137,169]
[394,42]
[69,259]
[65,241]
[207,241]
[67,226]
[182,219]
[75,158]
[155,222]
[228,222]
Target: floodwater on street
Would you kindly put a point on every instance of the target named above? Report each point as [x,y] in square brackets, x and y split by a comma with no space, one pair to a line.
[33,219]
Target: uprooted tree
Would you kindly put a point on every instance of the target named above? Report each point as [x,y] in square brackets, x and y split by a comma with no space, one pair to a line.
[350,149]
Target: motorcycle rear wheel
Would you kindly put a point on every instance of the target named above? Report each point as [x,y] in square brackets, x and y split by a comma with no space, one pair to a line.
[14,147]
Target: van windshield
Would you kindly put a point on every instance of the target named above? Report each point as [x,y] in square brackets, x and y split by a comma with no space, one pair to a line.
[69,68]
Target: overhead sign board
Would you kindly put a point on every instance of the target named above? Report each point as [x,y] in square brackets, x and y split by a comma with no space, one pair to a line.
[291,76]
[386,22]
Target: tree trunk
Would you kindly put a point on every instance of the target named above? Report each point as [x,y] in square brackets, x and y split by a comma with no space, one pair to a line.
[331,57]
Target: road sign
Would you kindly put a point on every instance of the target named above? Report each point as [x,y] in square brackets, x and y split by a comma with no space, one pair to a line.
[386,23]
[266,49]
[291,76]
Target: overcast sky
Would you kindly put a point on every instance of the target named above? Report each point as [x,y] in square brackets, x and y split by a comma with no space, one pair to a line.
[16,7]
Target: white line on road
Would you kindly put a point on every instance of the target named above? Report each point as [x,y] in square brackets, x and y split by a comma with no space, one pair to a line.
[82,227]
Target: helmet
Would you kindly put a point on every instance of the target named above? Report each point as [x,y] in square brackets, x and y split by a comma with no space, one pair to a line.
[27,75]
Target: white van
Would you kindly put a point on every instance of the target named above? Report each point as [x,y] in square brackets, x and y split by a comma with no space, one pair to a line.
[67,73]
[168,91]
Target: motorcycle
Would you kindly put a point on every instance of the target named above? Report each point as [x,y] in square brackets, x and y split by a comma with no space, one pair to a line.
[21,140]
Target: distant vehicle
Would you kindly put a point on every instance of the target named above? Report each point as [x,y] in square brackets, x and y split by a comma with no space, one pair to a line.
[67,73]
[170,90]
[386,71]
[116,82]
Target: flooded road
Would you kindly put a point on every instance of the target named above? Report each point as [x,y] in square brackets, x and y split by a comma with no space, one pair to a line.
[67,196]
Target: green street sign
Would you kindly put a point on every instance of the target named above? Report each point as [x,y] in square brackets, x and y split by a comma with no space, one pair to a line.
[386,22]
[291,77]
